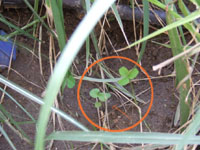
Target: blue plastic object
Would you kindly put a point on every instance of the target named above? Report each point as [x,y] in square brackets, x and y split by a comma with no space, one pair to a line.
[6,49]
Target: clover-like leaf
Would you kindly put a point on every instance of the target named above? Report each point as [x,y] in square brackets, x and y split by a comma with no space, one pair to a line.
[104,96]
[94,92]
[68,81]
[123,71]
[133,73]
[97,104]
[123,81]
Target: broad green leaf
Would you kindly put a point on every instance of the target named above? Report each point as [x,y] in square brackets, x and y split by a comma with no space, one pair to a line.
[133,73]
[94,92]
[69,81]
[123,81]
[108,95]
[123,71]
[104,96]
[97,104]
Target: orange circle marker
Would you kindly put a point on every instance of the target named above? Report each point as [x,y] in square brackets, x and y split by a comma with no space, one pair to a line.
[79,101]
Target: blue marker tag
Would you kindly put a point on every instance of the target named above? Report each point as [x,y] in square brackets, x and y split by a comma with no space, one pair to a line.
[7,48]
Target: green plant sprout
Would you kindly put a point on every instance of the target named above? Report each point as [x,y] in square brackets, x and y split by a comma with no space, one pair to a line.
[102,96]
[127,75]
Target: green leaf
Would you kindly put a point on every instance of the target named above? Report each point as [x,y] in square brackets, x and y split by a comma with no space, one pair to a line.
[117,16]
[123,71]
[123,81]
[198,2]
[145,28]
[59,23]
[104,96]
[108,95]
[195,2]
[94,92]
[97,104]
[70,81]
[152,138]
[133,73]
[181,66]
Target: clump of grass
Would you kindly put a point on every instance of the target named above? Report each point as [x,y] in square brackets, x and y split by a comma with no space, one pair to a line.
[70,50]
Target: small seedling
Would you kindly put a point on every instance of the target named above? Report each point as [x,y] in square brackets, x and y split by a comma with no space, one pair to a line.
[102,96]
[68,81]
[127,75]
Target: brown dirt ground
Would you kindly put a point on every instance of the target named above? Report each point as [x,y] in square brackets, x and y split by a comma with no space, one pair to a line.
[160,118]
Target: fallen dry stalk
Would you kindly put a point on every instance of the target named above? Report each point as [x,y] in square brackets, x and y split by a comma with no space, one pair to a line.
[191,51]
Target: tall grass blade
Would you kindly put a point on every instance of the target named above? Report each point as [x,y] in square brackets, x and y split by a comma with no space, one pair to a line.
[182,21]
[145,27]
[122,137]
[59,23]
[36,4]
[33,23]
[8,116]
[187,25]
[3,20]
[92,34]
[181,67]
[36,15]
[19,105]
[38,100]
[7,138]
[117,16]
[64,62]
[193,128]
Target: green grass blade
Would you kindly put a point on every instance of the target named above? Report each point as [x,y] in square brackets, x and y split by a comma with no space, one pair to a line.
[193,128]
[92,34]
[58,17]
[38,100]
[36,4]
[25,27]
[3,20]
[181,67]
[122,137]
[13,122]
[145,28]
[59,23]
[86,5]
[182,21]
[177,16]
[19,105]
[117,16]
[36,15]
[64,62]
[87,51]
[60,6]
[100,80]
[7,138]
